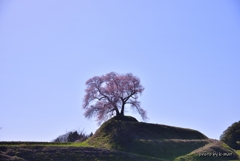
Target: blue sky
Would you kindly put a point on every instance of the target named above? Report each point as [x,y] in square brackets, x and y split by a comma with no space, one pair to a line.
[186,54]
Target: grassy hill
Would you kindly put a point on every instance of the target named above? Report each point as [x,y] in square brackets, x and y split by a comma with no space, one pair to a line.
[215,151]
[153,140]
[119,132]
[123,139]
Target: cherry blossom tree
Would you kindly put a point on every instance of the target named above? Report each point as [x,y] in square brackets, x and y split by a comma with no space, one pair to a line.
[109,94]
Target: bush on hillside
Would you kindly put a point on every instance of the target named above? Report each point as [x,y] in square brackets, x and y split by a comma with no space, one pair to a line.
[72,136]
[231,136]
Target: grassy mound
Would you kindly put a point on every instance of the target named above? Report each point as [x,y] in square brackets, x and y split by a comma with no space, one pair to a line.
[214,151]
[124,130]
[127,134]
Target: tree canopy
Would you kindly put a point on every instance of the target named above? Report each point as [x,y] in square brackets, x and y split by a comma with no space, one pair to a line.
[109,94]
[231,135]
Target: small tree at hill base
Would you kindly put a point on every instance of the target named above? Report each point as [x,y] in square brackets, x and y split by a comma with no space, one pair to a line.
[110,94]
[231,136]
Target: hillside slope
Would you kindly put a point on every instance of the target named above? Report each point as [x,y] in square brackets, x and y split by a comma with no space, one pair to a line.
[214,151]
[153,140]
[125,130]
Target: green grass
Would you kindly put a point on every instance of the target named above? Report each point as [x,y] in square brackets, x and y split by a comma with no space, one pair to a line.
[154,140]
[62,153]
[238,152]
[119,134]
[82,144]
[167,149]
[214,147]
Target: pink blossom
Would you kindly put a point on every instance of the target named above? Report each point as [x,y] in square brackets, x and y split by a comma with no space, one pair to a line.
[111,93]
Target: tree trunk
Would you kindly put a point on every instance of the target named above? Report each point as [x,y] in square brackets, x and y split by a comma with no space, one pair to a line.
[122,110]
[117,112]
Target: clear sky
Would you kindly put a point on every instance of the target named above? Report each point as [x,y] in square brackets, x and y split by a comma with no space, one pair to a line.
[186,54]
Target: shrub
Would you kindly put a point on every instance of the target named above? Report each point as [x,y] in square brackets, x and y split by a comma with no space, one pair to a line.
[231,136]
[72,136]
